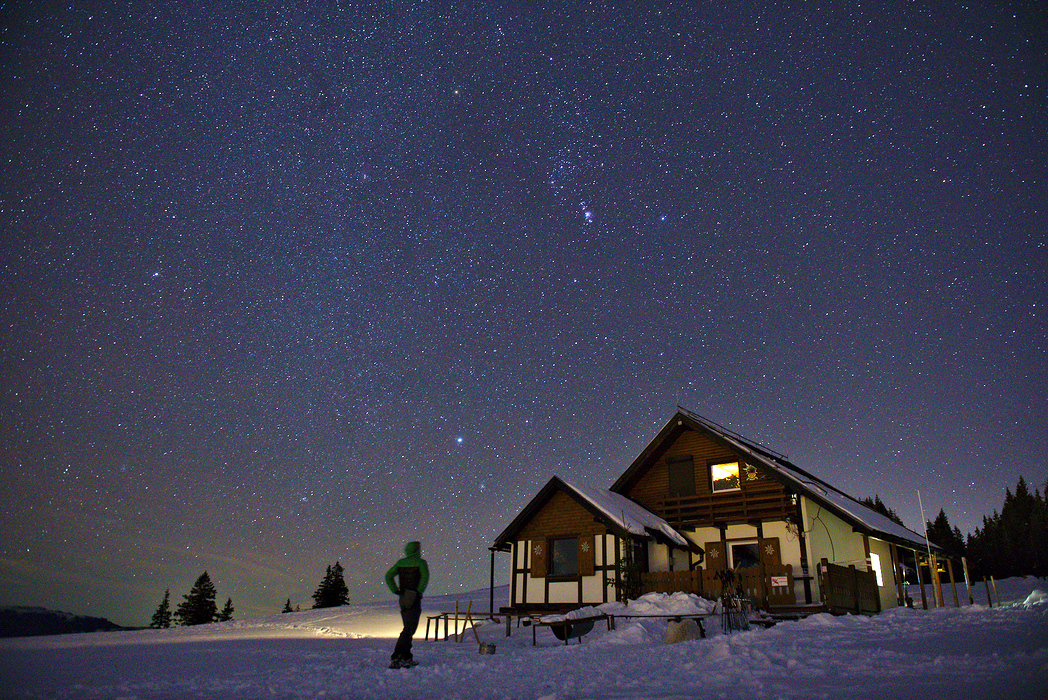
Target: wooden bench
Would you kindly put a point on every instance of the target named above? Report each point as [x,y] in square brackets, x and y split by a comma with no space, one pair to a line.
[465,618]
[447,617]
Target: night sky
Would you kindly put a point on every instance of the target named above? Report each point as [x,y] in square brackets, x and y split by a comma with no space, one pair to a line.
[290,283]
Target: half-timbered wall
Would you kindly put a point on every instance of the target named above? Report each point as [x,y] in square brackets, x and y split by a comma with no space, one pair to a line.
[563,516]
[582,590]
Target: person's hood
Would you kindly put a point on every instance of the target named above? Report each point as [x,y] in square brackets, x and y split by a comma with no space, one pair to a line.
[412,549]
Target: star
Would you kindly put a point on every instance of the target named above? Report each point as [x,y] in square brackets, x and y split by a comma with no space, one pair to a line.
[368,262]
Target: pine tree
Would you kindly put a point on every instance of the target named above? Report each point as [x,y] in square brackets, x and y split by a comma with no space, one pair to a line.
[320,595]
[949,538]
[199,607]
[877,505]
[287,607]
[332,591]
[162,616]
[339,589]
[226,614]
[1039,533]
[1011,543]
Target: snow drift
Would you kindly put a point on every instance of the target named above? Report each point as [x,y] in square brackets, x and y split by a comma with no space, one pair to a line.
[971,652]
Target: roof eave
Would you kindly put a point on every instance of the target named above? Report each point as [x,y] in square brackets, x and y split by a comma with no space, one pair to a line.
[506,537]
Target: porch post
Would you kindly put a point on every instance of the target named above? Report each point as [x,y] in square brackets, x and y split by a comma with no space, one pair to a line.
[967,581]
[920,580]
[899,592]
[937,582]
[491,586]
[953,582]
[513,577]
[806,569]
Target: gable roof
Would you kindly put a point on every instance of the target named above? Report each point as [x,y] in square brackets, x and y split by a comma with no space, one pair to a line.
[849,509]
[618,513]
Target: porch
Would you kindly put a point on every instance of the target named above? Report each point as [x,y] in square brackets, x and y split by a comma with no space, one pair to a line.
[768,587]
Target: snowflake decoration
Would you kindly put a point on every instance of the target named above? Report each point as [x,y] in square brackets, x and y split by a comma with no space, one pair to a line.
[770,549]
[712,554]
[585,546]
[538,549]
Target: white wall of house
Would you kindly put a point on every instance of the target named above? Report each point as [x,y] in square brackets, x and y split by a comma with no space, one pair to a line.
[888,585]
[680,560]
[703,535]
[593,587]
[832,538]
[658,556]
[563,591]
[518,580]
[566,591]
[741,532]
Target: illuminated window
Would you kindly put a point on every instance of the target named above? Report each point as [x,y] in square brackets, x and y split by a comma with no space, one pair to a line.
[875,564]
[725,476]
[564,555]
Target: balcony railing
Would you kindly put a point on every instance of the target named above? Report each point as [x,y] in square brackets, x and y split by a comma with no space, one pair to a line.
[734,506]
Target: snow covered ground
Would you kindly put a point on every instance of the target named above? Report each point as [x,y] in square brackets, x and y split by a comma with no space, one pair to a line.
[970,652]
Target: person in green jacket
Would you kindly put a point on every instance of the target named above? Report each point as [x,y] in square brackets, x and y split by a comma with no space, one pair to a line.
[407,579]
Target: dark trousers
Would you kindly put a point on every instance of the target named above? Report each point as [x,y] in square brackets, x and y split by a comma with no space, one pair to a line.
[410,616]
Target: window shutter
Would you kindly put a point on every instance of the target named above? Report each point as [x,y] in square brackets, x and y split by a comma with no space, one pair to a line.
[681,476]
[716,557]
[585,555]
[538,558]
[770,555]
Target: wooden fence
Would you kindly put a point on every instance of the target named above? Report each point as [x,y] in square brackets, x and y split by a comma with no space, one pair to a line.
[844,589]
[848,590]
[672,582]
[772,586]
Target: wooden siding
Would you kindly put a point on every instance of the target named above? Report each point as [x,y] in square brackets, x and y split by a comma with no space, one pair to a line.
[759,499]
[562,515]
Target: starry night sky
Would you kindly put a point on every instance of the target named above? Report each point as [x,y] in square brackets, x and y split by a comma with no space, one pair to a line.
[290,283]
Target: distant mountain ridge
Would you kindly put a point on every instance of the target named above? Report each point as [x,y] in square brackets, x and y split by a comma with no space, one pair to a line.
[23,621]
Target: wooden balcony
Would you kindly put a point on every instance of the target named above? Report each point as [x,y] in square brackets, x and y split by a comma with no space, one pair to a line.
[731,507]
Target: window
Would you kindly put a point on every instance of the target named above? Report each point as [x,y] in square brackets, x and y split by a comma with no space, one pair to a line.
[744,555]
[682,477]
[725,476]
[564,555]
[875,564]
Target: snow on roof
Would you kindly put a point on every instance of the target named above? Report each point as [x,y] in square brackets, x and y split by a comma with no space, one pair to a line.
[867,516]
[819,489]
[630,516]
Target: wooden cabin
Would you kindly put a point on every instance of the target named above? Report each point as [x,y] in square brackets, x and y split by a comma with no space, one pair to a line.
[700,505]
